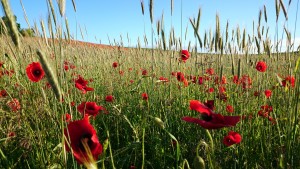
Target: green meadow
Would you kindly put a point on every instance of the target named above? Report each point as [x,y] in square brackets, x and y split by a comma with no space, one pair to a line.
[148,132]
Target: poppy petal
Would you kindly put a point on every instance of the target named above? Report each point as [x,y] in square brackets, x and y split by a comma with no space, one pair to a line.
[200,107]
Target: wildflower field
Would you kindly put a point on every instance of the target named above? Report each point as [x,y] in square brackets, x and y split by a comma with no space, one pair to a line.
[69,104]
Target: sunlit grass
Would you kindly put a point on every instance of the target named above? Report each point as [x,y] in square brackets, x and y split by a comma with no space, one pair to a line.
[149,133]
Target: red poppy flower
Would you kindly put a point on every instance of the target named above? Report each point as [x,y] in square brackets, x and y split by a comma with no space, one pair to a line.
[185,55]
[47,85]
[263,113]
[232,138]
[235,79]
[67,117]
[246,82]
[11,134]
[261,66]
[72,66]
[89,108]
[35,71]
[14,105]
[72,104]
[210,71]
[144,96]
[163,79]
[185,83]
[121,72]
[210,104]
[265,110]
[222,96]
[288,80]
[180,76]
[210,120]
[109,98]
[9,72]
[222,81]
[200,80]
[81,136]
[210,90]
[115,64]
[256,93]
[144,72]
[222,89]
[3,93]
[66,67]
[268,93]
[81,84]
[229,109]
[271,119]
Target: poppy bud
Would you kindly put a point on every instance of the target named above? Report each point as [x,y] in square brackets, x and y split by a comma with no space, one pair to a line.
[199,162]
[159,122]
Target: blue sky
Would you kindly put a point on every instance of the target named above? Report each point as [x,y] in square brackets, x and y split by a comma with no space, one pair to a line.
[100,19]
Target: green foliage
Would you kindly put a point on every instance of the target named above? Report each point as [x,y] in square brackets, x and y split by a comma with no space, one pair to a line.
[26,32]
[5,21]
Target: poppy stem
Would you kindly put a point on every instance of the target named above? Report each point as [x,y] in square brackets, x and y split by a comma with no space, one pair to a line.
[110,152]
[210,139]
[201,143]
[212,148]
[143,149]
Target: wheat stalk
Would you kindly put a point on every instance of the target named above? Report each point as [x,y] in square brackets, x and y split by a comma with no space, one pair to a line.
[25,15]
[50,75]
[50,26]
[44,31]
[265,14]
[74,5]
[67,27]
[198,19]
[226,33]
[259,17]
[283,9]
[142,6]
[258,32]
[52,11]
[186,32]
[158,27]
[172,6]
[62,7]
[196,32]
[170,39]
[257,45]
[239,68]
[288,35]
[3,26]
[217,32]
[151,10]
[205,39]
[232,65]
[244,39]
[277,6]
[238,35]
[14,33]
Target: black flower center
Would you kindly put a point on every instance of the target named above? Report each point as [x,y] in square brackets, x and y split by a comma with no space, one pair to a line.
[37,72]
[90,107]
[206,117]
[85,141]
